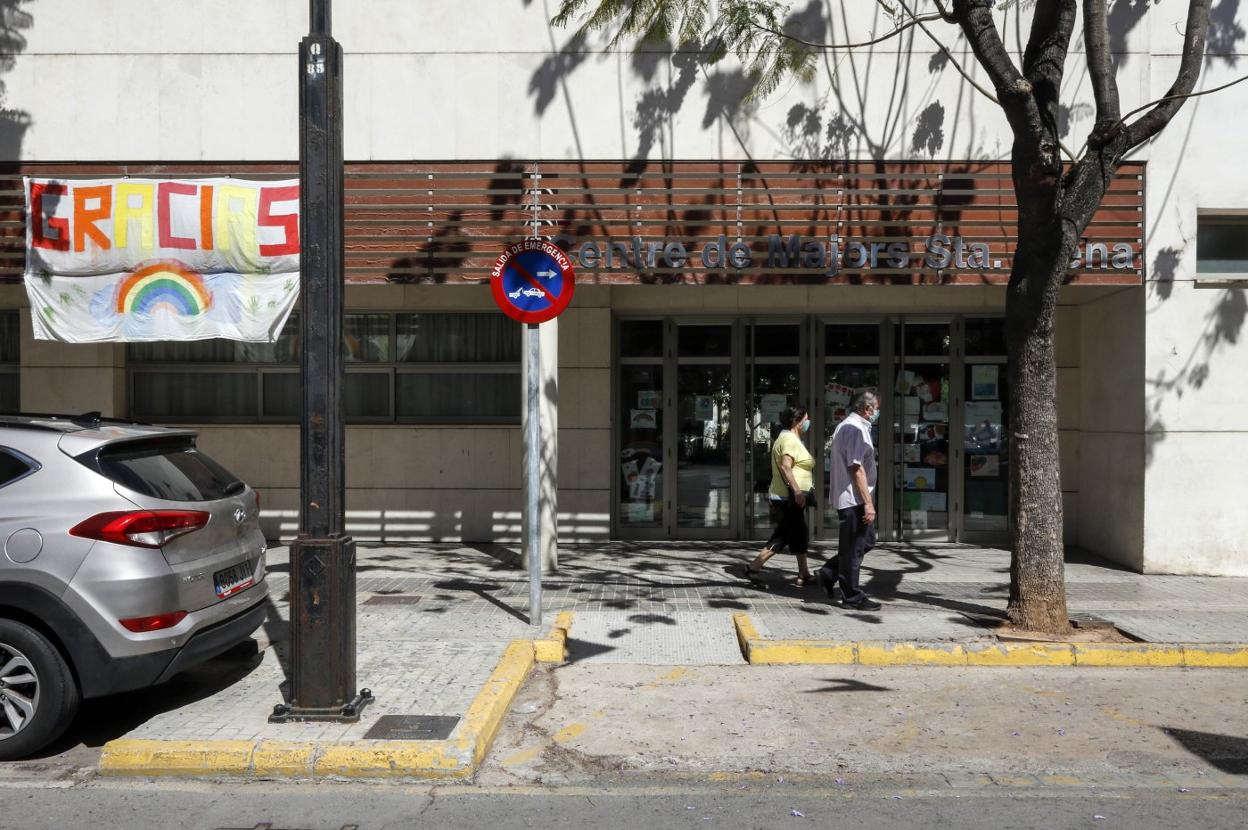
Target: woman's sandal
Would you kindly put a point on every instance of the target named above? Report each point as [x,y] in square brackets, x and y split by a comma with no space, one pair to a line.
[806,581]
[751,574]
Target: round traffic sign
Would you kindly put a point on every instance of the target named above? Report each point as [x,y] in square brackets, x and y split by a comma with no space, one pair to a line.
[532,281]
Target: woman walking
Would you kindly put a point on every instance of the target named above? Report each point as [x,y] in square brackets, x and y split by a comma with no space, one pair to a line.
[792,490]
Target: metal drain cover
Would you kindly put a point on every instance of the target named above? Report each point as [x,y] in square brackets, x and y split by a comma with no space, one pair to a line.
[392,599]
[412,728]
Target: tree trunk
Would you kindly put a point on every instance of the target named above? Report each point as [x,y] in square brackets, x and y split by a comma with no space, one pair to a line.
[1037,565]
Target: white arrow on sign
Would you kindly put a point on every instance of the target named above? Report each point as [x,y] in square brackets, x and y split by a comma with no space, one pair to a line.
[550,275]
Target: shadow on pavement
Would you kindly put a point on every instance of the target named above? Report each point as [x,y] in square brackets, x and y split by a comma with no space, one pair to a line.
[583,649]
[108,718]
[482,590]
[847,684]
[1226,752]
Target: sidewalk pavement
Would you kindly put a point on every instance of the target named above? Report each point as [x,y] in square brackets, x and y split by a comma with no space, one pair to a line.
[443,633]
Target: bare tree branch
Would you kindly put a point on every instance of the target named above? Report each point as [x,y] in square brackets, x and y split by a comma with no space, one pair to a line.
[962,71]
[949,55]
[1100,66]
[1013,90]
[914,21]
[1157,118]
[975,18]
[1114,127]
[1048,44]
[944,12]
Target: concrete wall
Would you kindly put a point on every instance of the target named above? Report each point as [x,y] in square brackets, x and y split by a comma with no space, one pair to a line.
[1195,405]
[1069,344]
[521,88]
[1111,463]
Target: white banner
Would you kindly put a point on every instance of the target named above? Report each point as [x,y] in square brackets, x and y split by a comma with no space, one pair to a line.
[136,260]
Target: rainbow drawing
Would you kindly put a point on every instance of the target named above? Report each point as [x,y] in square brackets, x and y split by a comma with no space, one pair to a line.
[166,283]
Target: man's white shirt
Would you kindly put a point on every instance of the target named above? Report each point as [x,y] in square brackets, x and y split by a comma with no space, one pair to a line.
[851,447]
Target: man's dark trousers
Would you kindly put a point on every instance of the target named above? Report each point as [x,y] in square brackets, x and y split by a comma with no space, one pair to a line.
[856,538]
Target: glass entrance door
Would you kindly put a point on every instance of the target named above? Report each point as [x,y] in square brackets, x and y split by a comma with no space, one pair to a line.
[774,376]
[922,409]
[851,360]
[641,418]
[703,430]
[984,516]
[698,406]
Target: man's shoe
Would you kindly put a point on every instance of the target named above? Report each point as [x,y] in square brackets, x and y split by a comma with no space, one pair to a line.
[866,604]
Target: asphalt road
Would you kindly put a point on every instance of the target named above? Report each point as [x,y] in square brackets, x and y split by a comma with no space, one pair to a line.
[161,805]
[599,745]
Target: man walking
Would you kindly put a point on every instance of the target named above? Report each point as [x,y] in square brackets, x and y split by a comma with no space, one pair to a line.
[853,491]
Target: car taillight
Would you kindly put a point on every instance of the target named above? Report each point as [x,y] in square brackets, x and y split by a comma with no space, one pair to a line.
[140,528]
[153,623]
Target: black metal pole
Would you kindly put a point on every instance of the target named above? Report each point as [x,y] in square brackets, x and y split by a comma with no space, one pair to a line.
[322,683]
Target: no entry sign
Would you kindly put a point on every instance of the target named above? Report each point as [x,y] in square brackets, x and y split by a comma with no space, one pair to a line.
[532,281]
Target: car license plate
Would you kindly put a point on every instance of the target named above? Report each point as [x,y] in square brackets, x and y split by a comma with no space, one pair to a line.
[234,579]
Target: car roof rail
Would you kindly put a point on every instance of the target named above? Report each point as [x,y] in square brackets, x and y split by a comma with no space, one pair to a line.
[86,420]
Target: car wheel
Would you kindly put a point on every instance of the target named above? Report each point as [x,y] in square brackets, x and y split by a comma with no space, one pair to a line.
[38,695]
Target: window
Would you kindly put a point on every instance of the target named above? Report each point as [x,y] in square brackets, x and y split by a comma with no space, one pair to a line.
[15,466]
[10,360]
[170,469]
[1221,248]
[400,368]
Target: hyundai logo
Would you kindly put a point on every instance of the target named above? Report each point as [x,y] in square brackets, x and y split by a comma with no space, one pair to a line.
[239,515]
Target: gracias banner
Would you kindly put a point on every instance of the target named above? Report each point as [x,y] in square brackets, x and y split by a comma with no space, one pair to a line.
[161,259]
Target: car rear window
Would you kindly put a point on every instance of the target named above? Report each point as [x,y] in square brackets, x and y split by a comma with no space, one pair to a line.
[13,465]
[166,469]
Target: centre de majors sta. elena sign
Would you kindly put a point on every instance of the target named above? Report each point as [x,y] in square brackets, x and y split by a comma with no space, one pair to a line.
[821,256]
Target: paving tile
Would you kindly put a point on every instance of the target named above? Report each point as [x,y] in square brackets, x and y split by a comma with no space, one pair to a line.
[677,638]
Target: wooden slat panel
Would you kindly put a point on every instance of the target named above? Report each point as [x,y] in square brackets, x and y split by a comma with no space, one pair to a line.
[447,221]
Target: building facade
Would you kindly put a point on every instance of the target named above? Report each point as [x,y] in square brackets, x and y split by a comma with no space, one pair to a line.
[734,256]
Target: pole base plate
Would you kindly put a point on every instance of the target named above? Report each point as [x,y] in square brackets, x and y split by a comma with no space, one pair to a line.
[349,712]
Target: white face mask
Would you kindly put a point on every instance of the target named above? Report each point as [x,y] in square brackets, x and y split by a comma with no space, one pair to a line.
[875,416]
[805,427]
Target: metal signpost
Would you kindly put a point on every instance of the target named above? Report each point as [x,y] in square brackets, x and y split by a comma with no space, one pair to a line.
[322,558]
[533,282]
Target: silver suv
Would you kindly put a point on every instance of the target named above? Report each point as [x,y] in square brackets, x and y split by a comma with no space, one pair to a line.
[129,556]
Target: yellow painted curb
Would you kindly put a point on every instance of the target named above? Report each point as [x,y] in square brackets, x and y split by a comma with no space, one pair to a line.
[1215,656]
[456,757]
[385,759]
[759,650]
[132,756]
[554,649]
[813,652]
[1128,654]
[279,759]
[487,711]
[1020,654]
[911,654]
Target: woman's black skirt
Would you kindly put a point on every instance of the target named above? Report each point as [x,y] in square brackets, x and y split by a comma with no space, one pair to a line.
[791,531]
